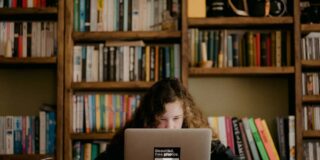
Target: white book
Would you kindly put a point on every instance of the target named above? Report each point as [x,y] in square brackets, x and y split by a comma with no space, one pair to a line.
[95,65]
[30,3]
[292,143]
[222,130]
[42,132]
[1,3]
[9,134]
[105,15]
[89,64]
[126,61]
[24,39]
[110,15]
[77,64]
[135,15]
[305,118]
[318,150]
[310,151]
[93,15]
[100,57]
[2,37]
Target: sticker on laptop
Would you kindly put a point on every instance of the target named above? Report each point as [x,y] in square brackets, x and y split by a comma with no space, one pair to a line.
[167,153]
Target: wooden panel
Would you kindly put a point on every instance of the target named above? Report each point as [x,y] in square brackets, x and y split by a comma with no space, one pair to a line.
[142,35]
[92,136]
[311,134]
[194,72]
[310,63]
[25,157]
[240,21]
[311,99]
[310,27]
[23,11]
[46,60]
[139,85]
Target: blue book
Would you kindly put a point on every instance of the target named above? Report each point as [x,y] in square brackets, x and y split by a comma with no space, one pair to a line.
[17,133]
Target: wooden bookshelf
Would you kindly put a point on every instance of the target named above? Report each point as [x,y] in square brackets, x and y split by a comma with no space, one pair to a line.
[234,71]
[311,99]
[137,35]
[139,85]
[311,134]
[44,60]
[28,11]
[57,15]
[92,136]
[239,21]
[73,37]
[310,27]
[27,157]
[310,63]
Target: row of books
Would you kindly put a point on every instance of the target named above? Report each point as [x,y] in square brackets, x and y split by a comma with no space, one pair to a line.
[310,46]
[249,138]
[28,39]
[27,3]
[28,134]
[311,150]
[311,117]
[232,48]
[102,112]
[310,83]
[124,15]
[125,63]
[88,150]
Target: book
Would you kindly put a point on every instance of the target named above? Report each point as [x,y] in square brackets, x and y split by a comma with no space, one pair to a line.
[124,43]
[196,9]
[253,148]
[257,138]
[270,140]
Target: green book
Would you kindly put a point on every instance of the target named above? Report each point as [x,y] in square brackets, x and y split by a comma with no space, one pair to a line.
[257,138]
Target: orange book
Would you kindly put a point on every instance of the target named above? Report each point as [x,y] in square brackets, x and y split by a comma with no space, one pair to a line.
[264,125]
[265,141]
[147,64]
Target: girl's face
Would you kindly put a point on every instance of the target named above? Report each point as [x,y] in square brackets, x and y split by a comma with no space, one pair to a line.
[173,116]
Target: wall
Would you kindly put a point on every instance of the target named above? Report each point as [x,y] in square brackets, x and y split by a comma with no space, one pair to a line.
[23,90]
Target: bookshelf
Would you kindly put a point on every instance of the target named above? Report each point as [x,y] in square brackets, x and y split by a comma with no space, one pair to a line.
[305,65]
[32,67]
[75,37]
[217,79]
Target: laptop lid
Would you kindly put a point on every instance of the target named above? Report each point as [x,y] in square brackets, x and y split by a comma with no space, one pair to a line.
[167,144]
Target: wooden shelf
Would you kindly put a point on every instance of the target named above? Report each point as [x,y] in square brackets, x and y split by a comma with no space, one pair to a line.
[92,136]
[138,35]
[195,72]
[37,60]
[310,27]
[136,85]
[26,157]
[311,99]
[240,21]
[24,11]
[311,134]
[310,63]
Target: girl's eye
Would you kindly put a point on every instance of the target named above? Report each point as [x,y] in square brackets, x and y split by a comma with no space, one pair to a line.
[176,118]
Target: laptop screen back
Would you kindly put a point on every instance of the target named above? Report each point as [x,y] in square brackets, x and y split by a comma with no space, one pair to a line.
[167,144]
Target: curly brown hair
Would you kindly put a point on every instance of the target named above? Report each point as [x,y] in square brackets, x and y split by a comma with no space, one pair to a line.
[153,103]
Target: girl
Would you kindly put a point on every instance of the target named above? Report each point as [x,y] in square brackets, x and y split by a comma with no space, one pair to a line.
[167,104]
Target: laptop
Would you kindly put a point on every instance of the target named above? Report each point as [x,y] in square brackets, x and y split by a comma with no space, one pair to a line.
[167,144]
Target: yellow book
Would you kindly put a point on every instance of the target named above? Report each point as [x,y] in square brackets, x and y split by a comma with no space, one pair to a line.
[264,125]
[147,69]
[196,8]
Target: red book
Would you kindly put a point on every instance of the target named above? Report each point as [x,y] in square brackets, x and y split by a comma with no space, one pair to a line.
[14,3]
[258,49]
[229,132]
[24,3]
[20,46]
[269,51]
[43,3]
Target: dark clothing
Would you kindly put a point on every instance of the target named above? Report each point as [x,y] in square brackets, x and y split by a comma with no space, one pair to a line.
[218,152]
